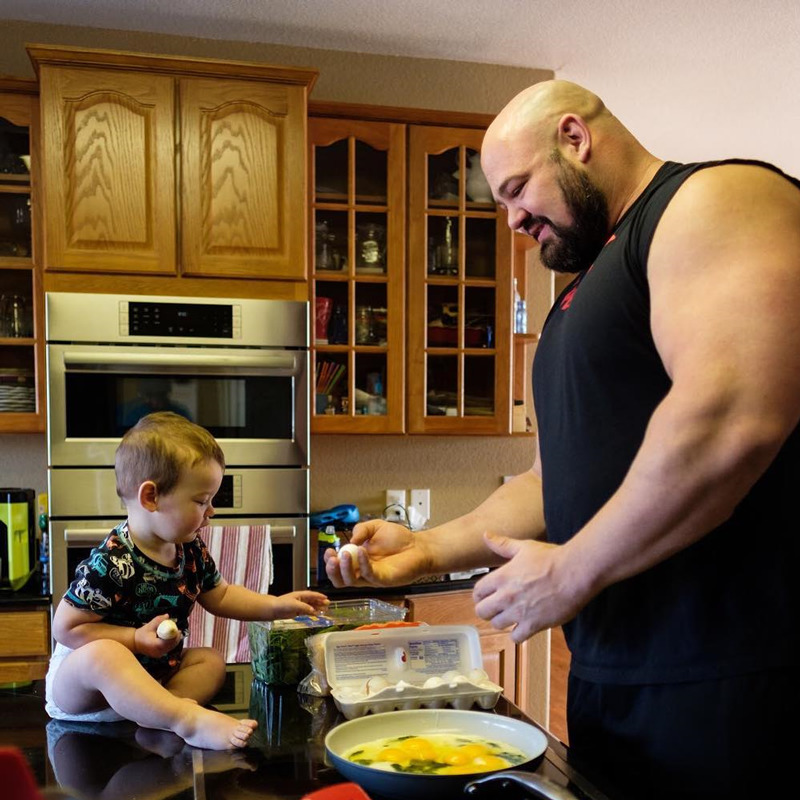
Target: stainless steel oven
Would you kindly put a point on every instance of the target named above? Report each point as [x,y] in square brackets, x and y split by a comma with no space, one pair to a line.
[237,367]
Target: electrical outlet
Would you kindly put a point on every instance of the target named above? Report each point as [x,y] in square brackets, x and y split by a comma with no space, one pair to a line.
[395,504]
[421,500]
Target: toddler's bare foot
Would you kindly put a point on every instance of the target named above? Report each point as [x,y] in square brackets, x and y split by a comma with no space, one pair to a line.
[201,727]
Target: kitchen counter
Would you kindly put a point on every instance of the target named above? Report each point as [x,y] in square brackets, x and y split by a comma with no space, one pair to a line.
[286,759]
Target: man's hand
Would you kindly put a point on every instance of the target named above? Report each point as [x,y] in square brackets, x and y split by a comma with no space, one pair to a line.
[389,555]
[529,592]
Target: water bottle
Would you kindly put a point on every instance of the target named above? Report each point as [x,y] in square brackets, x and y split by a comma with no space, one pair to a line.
[325,540]
[520,312]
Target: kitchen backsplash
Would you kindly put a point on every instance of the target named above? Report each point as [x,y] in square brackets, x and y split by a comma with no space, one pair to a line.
[460,471]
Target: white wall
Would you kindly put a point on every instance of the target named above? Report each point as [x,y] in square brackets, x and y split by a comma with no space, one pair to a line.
[725,86]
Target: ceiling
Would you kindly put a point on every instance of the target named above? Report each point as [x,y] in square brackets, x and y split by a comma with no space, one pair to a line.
[568,37]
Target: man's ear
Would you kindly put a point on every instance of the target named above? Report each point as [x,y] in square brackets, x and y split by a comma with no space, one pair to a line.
[574,135]
[148,496]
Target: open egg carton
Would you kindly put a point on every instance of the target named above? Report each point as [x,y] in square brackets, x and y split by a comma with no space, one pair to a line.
[430,666]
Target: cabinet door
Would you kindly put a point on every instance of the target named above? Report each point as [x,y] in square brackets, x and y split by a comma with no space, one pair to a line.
[357,191]
[243,179]
[460,265]
[109,165]
[21,327]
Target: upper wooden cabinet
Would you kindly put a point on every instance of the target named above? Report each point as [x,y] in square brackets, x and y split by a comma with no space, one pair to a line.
[460,271]
[172,166]
[22,399]
[448,243]
[357,193]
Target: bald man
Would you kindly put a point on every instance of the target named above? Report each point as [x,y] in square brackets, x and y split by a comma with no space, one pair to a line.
[667,393]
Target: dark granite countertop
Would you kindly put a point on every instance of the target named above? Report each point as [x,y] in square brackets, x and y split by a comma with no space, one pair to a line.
[286,760]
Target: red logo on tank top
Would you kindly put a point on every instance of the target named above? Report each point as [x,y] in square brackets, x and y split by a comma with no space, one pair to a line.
[567,301]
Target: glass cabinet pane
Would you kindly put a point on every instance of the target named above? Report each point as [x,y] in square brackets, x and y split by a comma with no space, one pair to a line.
[330,173]
[442,316]
[478,386]
[370,315]
[370,243]
[331,384]
[371,388]
[371,172]
[443,179]
[15,225]
[477,187]
[330,241]
[443,233]
[17,380]
[16,304]
[330,313]
[15,151]
[442,386]
[480,243]
[479,319]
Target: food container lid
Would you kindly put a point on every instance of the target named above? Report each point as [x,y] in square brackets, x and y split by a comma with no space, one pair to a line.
[354,612]
[374,671]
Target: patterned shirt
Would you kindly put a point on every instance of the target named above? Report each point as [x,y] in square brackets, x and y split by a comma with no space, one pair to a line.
[128,588]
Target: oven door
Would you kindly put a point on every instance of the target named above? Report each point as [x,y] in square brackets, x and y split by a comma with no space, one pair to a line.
[253,401]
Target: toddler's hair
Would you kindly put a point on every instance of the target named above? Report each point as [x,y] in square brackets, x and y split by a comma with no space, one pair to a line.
[157,448]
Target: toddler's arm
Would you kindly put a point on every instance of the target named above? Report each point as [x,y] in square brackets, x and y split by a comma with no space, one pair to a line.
[237,602]
[74,627]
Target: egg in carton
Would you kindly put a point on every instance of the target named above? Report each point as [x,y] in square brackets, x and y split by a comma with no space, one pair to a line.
[430,667]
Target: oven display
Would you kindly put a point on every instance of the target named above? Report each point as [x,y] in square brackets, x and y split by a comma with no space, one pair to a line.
[181,319]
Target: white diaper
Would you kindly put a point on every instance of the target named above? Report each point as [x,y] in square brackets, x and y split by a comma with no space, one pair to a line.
[104,715]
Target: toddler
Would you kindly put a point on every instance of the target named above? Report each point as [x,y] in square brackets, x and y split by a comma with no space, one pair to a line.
[108,662]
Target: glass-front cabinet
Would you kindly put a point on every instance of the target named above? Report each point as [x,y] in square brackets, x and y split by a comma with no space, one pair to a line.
[459,278]
[357,241]
[21,345]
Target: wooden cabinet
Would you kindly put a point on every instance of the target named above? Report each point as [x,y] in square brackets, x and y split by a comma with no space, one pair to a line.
[459,328]
[172,166]
[357,194]
[21,318]
[451,334]
[24,643]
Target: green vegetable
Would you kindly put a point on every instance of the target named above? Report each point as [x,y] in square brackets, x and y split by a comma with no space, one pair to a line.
[279,654]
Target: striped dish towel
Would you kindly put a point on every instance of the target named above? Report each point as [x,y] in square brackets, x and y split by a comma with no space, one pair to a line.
[243,555]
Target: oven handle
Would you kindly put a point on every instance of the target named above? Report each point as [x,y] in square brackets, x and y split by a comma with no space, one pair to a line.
[183,361]
[91,536]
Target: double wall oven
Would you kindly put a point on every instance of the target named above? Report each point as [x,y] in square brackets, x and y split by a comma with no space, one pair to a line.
[238,367]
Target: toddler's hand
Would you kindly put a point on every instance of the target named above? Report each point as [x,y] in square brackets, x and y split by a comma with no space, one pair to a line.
[294,604]
[148,642]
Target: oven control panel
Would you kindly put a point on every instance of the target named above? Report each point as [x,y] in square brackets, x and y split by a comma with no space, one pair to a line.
[163,319]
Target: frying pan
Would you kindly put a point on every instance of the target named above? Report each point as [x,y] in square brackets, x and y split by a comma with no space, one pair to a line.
[420,722]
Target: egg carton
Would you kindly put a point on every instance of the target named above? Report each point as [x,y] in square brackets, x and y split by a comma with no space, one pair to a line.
[433,666]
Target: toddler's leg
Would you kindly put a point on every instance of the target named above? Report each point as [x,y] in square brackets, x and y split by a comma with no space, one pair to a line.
[201,674]
[105,672]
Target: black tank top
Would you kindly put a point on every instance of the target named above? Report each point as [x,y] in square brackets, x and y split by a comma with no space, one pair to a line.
[725,605]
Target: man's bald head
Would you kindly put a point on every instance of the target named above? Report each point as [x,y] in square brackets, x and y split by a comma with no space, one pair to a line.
[536,112]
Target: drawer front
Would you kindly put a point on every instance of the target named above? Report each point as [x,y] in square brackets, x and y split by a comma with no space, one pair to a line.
[24,633]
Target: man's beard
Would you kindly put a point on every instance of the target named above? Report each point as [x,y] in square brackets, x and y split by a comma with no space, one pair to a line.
[573,248]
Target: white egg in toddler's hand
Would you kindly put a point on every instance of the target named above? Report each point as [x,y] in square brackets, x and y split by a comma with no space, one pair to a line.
[167,629]
[351,550]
